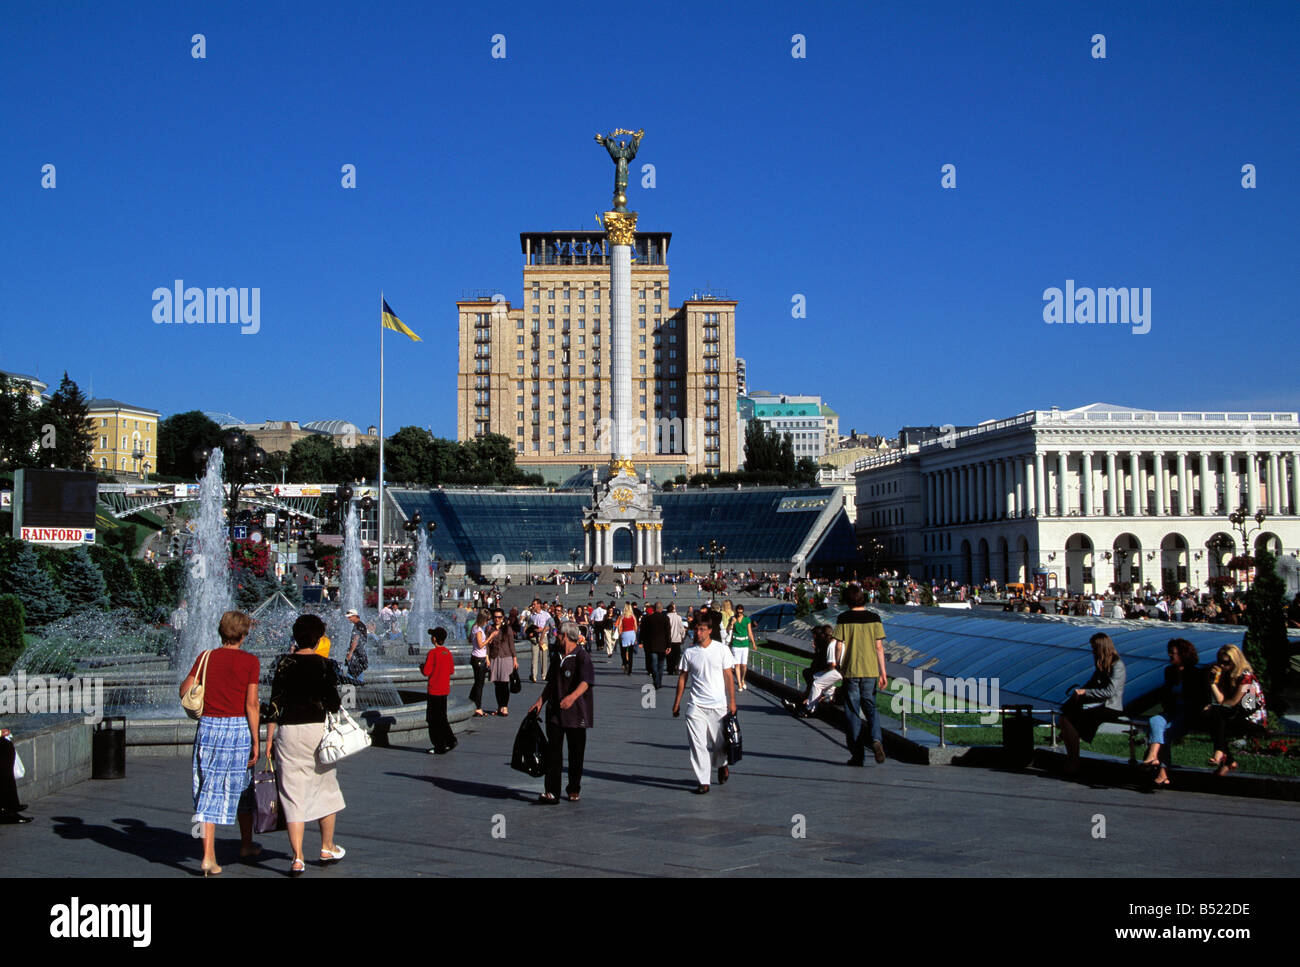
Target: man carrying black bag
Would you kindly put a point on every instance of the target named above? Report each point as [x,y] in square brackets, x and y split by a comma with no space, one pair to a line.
[569,712]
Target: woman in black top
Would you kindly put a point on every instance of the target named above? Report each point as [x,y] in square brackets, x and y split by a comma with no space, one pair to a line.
[304,690]
[1182,697]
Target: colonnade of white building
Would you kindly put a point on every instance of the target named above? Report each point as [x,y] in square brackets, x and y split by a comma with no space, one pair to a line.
[647,543]
[1113,483]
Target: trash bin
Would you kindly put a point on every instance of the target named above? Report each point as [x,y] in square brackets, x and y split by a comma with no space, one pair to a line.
[108,749]
[1017,735]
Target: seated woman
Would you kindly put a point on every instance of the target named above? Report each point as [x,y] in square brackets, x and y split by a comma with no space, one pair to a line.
[1100,700]
[1237,706]
[1182,696]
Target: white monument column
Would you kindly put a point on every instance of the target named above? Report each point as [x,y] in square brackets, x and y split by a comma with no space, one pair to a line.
[621,229]
[1295,483]
[1112,483]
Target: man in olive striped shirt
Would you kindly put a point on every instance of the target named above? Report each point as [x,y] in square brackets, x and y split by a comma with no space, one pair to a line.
[863,668]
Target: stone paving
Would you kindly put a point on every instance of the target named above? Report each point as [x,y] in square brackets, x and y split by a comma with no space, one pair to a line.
[791,809]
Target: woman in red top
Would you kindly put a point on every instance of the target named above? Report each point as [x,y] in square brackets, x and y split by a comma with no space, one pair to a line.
[226,742]
[627,637]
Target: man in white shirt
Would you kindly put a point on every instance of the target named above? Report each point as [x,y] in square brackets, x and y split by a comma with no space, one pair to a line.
[597,621]
[706,677]
[538,619]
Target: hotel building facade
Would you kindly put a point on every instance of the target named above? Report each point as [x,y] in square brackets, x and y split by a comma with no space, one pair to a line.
[539,373]
[125,437]
[1087,499]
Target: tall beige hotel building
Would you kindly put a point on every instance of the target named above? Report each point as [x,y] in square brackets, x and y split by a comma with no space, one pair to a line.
[539,374]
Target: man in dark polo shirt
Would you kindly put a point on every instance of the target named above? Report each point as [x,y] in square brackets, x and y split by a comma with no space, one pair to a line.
[863,668]
[656,638]
[569,711]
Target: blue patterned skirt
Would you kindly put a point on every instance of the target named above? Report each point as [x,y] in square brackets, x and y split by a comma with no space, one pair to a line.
[221,773]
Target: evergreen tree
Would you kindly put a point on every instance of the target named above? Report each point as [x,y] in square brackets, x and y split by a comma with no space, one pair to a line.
[67,414]
[83,582]
[1266,645]
[122,590]
[27,578]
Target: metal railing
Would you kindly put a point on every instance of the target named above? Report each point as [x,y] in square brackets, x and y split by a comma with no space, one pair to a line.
[1001,713]
[765,663]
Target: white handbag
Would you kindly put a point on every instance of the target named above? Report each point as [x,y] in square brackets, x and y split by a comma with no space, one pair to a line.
[19,771]
[343,737]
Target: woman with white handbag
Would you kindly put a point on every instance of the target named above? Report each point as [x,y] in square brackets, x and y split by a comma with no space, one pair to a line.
[303,694]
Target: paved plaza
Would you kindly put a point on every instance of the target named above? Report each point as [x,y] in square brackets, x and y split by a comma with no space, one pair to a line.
[468,814]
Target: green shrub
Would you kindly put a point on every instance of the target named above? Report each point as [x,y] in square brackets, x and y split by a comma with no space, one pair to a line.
[32,583]
[122,590]
[12,625]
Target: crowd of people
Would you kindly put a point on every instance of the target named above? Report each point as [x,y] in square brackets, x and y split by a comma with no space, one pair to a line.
[707,646]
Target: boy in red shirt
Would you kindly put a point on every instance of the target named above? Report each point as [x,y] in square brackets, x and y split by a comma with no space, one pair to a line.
[437,668]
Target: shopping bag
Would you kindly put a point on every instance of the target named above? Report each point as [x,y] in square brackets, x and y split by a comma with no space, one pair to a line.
[516,686]
[529,753]
[268,817]
[731,735]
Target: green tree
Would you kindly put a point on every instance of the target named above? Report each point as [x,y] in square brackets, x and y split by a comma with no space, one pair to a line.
[1266,645]
[83,583]
[18,436]
[311,460]
[409,456]
[67,415]
[13,626]
[122,590]
[41,598]
[178,437]
[153,590]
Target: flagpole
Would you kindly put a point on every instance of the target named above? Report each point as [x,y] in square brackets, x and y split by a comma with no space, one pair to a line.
[379,602]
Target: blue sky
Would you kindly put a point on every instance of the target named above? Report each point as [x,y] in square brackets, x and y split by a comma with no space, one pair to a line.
[778,176]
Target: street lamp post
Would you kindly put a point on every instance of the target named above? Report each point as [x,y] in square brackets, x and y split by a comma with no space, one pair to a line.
[677,552]
[713,552]
[573,559]
[1241,522]
[528,562]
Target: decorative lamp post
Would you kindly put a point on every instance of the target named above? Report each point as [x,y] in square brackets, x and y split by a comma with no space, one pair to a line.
[1241,522]
[528,562]
[677,552]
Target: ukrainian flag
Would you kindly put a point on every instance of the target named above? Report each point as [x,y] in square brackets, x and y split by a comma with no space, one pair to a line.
[389,320]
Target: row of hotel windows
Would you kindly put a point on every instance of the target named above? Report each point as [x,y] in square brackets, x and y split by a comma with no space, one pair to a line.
[135,424]
[565,291]
[148,444]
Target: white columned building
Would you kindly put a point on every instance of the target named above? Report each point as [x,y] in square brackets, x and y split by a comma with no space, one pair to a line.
[1092,499]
